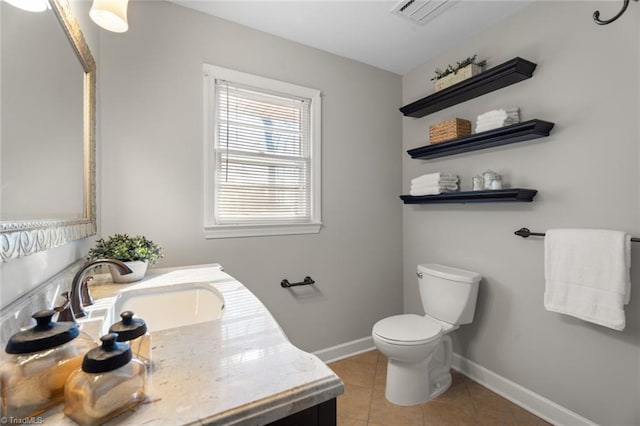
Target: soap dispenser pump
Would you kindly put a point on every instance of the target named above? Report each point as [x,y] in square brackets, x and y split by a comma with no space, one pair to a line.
[110,382]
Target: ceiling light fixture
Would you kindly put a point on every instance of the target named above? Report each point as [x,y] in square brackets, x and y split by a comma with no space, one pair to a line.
[110,14]
[30,5]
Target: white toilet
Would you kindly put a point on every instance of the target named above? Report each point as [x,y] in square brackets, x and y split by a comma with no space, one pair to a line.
[419,348]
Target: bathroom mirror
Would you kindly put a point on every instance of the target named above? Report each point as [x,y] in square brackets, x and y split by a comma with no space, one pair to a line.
[47,131]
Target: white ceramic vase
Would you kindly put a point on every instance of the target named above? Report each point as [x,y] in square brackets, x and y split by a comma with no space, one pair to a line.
[138,267]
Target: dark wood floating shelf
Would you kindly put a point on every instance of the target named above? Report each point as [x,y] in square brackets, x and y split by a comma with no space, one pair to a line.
[519,132]
[493,196]
[503,75]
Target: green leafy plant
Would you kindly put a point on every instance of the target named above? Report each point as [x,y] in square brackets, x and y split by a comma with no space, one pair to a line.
[125,248]
[459,65]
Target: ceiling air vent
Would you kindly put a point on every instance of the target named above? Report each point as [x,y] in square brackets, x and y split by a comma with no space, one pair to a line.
[421,11]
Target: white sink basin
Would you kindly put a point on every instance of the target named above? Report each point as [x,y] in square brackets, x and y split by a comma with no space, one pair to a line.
[171,306]
[98,319]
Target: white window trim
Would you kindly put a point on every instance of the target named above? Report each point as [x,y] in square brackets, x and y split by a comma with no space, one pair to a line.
[213,230]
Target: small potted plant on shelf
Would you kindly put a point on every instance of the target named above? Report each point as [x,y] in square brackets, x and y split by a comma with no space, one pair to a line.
[455,74]
[136,252]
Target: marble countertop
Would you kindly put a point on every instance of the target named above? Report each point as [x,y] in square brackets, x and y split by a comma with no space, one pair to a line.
[239,369]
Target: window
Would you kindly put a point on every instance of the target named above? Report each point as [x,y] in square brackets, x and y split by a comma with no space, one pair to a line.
[262,163]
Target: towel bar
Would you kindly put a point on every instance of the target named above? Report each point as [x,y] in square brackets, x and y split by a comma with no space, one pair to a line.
[525,233]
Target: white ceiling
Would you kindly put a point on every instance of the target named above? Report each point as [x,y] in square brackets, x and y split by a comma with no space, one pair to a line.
[364,30]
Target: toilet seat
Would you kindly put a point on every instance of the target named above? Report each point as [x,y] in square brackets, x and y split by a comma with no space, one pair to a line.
[408,329]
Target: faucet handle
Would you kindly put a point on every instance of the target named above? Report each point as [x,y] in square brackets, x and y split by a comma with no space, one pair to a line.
[65,313]
[65,304]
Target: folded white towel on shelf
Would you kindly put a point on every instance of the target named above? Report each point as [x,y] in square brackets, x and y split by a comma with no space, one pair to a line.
[498,118]
[485,127]
[441,182]
[587,274]
[435,178]
[499,113]
[442,186]
[432,190]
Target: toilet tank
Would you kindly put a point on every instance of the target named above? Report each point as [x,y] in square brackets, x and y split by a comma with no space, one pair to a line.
[448,294]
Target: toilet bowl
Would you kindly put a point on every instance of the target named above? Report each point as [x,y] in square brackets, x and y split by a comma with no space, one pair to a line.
[418,348]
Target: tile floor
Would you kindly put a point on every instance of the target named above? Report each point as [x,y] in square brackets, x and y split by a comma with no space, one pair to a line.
[464,403]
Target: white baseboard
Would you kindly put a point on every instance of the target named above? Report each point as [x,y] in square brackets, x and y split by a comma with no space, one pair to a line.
[345,350]
[530,401]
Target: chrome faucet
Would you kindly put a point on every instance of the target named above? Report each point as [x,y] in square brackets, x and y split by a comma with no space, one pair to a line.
[79,295]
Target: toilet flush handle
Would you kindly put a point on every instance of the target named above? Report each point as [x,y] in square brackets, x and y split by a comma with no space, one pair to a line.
[420,274]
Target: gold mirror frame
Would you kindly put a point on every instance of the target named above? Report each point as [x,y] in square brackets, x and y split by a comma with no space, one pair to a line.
[19,239]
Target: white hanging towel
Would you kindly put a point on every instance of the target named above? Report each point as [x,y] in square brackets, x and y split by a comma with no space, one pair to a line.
[587,274]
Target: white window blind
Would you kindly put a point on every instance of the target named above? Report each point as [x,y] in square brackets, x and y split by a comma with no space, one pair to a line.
[263,158]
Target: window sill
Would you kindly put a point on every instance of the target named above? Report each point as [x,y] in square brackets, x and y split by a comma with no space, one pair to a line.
[239,231]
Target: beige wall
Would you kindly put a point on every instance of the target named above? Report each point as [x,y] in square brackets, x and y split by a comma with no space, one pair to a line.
[587,176]
[152,146]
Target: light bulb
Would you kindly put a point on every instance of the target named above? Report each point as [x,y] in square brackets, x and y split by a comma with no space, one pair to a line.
[30,5]
[110,14]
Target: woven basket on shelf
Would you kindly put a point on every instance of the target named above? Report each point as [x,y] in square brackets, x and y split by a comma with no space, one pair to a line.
[450,129]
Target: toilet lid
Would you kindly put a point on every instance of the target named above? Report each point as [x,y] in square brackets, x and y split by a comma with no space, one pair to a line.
[408,328]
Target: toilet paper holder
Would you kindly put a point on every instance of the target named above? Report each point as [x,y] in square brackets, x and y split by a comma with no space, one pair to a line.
[307,281]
